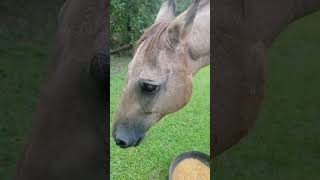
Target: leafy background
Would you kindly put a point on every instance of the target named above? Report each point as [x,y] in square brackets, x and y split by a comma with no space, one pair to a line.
[130,18]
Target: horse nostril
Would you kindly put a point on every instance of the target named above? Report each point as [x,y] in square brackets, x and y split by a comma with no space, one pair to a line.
[126,137]
[121,143]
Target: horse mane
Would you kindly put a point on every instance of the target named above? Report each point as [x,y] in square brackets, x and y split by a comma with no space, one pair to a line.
[153,38]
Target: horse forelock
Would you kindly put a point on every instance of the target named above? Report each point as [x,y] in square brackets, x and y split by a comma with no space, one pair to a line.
[154,39]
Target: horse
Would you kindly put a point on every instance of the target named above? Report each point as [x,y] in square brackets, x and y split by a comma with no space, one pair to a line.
[67,140]
[243,31]
[159,81]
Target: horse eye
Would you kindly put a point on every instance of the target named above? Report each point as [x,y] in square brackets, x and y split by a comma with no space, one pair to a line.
[148,87]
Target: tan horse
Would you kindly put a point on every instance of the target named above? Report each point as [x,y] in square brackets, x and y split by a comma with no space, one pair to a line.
[160,74]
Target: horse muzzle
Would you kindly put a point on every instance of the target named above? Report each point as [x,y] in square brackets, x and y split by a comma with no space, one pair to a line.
[127,136]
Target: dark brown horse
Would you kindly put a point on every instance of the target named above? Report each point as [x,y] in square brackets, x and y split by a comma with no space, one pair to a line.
[243,30]
[67,139]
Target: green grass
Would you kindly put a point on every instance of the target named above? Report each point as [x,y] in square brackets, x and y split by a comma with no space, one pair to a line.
[285,143]
[25,37]
[22,66]
[186,130]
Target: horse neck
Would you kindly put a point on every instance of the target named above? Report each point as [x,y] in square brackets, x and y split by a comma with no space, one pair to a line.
[198,42]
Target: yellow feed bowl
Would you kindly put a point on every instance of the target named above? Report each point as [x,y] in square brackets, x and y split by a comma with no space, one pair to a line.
[192,165]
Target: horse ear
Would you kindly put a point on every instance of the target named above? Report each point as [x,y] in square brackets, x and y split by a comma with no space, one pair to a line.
[180,27]
[167,11]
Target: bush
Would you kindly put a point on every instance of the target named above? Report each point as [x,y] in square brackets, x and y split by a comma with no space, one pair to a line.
[130,18]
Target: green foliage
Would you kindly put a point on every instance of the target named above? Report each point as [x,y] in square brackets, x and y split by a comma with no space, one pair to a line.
[129,18]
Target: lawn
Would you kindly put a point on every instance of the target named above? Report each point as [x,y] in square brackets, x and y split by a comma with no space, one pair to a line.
[285,143]
[25,39]
[22,68]
[186,130]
